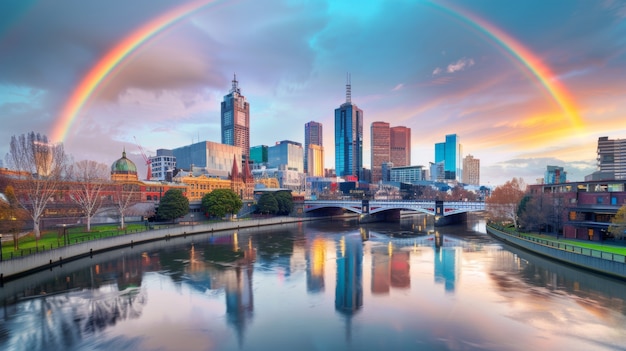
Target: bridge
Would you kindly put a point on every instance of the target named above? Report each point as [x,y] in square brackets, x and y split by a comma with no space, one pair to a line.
[377,210]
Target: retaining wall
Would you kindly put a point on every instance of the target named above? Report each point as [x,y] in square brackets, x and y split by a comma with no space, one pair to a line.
[609,266]
[17,267]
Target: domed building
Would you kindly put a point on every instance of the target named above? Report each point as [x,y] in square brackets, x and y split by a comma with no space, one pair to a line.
[124,170]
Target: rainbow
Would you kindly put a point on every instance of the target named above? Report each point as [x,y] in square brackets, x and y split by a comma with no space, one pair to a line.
[519,53]
[106,65]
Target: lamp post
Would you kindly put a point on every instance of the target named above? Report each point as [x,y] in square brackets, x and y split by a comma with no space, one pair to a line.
[0,247]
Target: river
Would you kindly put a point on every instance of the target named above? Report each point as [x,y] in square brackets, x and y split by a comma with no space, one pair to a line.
[317,286]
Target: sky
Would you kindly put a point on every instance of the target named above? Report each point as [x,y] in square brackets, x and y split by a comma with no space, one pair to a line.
[524,84]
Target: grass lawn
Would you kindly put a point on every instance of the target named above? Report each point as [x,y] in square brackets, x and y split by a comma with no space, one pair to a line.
[51,239]
[593,245]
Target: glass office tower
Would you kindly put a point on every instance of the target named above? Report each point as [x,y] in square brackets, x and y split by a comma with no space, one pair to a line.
[348,138]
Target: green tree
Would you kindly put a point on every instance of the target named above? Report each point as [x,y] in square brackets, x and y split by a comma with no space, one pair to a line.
[284,200]
[618,223]
[267,204]
[220,202]
[173,204]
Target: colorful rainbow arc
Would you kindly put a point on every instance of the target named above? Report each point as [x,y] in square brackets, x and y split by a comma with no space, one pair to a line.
[123,49]
[106,65]
[520,53]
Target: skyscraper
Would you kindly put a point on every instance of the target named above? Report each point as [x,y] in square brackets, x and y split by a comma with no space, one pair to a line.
[400,152]
[380,148]
[471,170]
[348,137]
[612,157]
[312,136]
[449,152]
[235,114]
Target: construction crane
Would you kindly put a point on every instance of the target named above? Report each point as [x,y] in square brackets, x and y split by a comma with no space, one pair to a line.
[146,159]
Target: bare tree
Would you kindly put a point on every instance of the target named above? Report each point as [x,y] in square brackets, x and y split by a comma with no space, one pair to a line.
[12,216]
[90,178]
[505,199]
[41,166]
[125,196]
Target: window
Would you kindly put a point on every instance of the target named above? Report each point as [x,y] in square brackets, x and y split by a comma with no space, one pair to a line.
[599,200]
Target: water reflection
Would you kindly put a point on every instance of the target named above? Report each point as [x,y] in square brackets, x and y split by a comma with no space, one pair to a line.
[453,288]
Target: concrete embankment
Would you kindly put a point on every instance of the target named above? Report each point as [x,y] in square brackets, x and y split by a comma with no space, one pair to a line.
[597,261]
[18,267]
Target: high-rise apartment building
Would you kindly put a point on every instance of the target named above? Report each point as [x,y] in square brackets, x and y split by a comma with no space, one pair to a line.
[349,137]
[612,157]
[235,114]
[163,163]
[400,147]
[380,148]
[449,152]
[471,170]
[312,136]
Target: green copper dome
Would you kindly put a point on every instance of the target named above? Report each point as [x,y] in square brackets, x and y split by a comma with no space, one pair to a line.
[123,166]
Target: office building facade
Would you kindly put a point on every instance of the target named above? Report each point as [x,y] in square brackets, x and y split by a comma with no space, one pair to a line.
[162,164]
[207,157]
[400,146]
[449,152]
[348,138]
[258,154]
[471,170]
[287,155]
[313,135]
[235,118]
[380,140]
[315,160]
[555,175]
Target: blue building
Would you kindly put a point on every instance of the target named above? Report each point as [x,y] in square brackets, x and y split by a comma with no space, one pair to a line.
[555,175]
[449,152]
[349,138]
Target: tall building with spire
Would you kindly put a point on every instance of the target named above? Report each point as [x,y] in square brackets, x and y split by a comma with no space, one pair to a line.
[235,119]
[349,137]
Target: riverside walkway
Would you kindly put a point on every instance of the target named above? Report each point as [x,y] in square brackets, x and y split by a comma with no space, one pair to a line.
[42,260]
[605,258]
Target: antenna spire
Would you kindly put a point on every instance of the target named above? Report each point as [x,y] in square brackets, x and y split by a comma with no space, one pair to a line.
[235,87]
[348,89]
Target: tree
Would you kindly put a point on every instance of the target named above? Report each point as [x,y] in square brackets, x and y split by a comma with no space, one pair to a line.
[505,199]
[173,204]
[267,204]
[12,216]
[533,212]
[220,202]
[124,197]
[618,223]
[40,167]
[284,199]
[89,178]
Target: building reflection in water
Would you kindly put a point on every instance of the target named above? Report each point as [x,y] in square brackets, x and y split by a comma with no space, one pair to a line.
[349,288]
[390,268]
[445,263]
[315,264]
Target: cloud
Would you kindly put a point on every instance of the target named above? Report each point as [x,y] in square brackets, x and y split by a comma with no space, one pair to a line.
[398,87]
[532,169]
[460,65]
[436,71]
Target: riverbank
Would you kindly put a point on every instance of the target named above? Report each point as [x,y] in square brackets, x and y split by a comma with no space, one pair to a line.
[600,261]
[19,267]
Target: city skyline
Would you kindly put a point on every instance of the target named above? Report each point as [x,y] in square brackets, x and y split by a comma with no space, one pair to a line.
[522,88]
